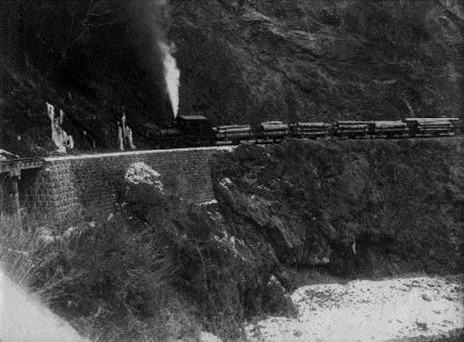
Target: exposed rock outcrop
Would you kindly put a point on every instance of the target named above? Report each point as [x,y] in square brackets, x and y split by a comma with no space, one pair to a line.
[375,207]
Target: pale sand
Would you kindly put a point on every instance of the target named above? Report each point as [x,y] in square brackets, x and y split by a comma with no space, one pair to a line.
[365,310]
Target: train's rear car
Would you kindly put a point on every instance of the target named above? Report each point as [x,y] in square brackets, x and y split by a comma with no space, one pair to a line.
[431,127]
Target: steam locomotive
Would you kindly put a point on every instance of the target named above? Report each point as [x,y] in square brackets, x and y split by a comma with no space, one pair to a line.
[188,131]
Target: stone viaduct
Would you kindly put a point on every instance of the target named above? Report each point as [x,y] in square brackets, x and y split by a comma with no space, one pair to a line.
[61,188]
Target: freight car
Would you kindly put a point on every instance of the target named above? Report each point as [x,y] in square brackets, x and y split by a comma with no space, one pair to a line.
[234,134]
[271,131]
[350,129]
[311,130]
[389,129]
[428,127]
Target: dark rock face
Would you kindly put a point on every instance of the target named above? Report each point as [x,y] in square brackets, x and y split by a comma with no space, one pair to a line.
[375,207]
[255,60]
[92,59]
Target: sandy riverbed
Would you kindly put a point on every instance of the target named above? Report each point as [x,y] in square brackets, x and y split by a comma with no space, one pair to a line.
[364,310]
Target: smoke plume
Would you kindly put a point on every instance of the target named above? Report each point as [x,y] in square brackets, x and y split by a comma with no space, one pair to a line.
[156,52]
[172,77]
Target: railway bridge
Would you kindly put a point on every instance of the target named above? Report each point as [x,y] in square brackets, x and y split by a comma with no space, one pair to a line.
[68,187]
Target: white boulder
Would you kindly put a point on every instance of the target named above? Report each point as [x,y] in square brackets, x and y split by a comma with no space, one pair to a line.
[140,172]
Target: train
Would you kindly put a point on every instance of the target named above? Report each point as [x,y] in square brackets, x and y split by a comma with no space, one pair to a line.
[197,130]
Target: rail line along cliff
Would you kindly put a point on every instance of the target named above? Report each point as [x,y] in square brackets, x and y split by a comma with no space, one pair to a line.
[240,63]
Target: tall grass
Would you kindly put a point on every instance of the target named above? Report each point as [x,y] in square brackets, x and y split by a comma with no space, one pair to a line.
[17,248]
[112,283]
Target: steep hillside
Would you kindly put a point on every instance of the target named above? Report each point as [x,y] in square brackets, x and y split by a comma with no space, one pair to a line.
[319,60]
[240,61]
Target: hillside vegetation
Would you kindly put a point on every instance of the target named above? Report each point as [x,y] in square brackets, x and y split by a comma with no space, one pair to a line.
[241,62]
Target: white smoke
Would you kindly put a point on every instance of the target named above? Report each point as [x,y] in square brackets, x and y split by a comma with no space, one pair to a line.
[172,76]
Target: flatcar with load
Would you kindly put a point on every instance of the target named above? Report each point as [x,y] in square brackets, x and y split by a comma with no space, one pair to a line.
[350,129]
[389,129]
[234,134]
[311,130]
[271,131]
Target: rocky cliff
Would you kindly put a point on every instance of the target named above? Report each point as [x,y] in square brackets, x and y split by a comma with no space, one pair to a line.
[374,207]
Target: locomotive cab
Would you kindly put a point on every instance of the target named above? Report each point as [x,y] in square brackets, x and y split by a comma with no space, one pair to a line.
[196,130]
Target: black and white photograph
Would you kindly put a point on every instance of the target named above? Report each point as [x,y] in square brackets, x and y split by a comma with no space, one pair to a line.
[231,170]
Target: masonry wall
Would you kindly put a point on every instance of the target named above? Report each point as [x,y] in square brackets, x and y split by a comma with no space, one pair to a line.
[88,185]
[5,205]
